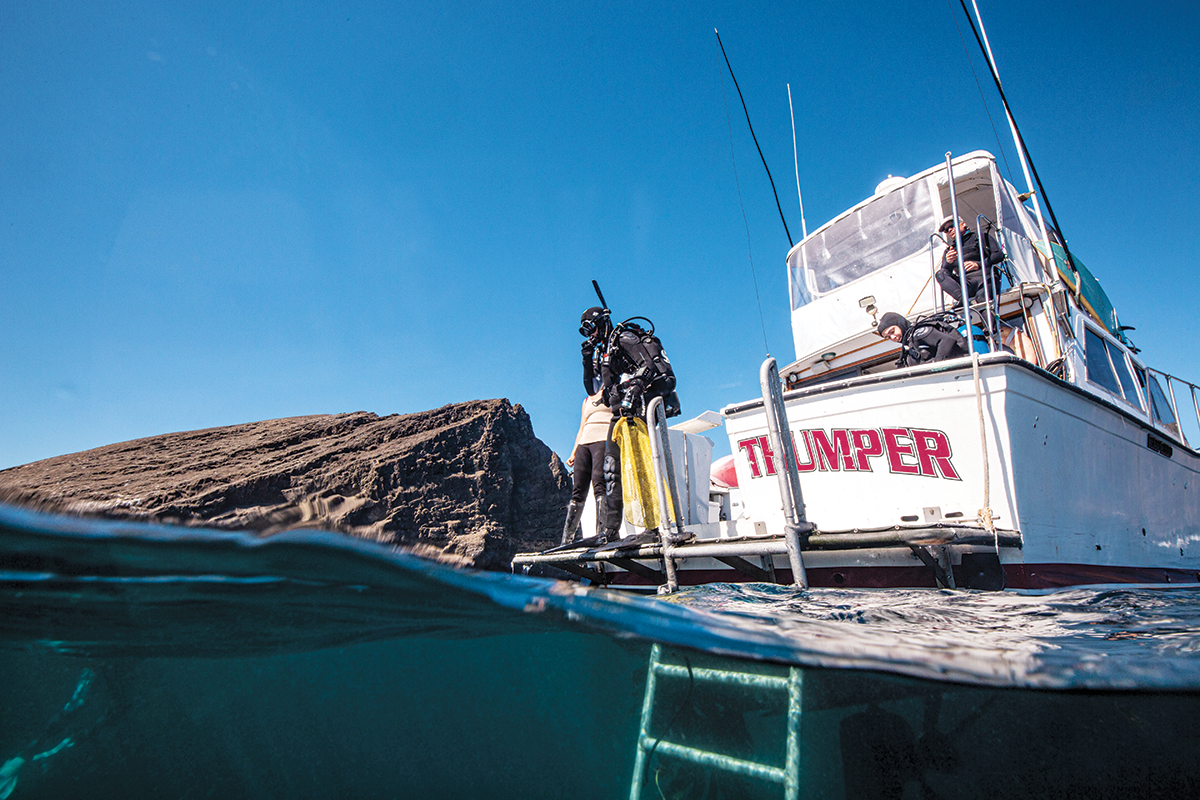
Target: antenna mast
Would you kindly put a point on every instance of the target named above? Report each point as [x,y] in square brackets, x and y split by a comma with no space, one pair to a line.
[755,138]
[796,161]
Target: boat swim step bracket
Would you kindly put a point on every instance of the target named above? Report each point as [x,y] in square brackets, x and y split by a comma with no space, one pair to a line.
[595,576]
[788,776]
[746,568]
[937,558]
[656,577]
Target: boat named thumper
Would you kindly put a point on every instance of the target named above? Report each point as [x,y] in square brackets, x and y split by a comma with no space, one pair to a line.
[1048,456]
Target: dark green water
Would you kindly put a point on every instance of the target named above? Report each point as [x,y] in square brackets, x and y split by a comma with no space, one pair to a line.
[141,661]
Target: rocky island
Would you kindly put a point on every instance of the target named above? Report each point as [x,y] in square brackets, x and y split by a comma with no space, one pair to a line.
[467,483]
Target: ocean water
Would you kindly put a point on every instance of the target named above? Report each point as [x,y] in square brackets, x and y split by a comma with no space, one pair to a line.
[147,661]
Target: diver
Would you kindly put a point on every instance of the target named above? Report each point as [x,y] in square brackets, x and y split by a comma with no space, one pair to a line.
[929,339]
[626,365]
[992,257]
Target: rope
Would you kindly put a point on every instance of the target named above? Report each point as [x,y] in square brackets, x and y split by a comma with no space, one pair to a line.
[917,299]
[986,516]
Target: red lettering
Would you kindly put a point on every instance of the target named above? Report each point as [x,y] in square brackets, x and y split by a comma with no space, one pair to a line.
[812,460]
[768,454]
[836,454]
[867,444]
[933,453]
[751,457]
[895,450]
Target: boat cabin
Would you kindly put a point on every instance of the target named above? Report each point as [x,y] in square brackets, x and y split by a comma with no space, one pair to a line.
[881,255]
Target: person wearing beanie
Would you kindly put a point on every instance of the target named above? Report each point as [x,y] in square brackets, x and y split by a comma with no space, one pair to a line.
[922,342]
[892,326]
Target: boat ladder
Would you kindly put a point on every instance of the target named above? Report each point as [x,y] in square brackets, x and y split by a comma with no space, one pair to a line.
[788,776]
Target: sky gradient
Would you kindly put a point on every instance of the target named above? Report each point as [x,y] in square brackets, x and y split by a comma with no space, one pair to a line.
[226,212]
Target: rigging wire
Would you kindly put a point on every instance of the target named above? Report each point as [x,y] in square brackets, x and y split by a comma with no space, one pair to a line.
[742,204]
[1021,143]
[975,75]
[760,152]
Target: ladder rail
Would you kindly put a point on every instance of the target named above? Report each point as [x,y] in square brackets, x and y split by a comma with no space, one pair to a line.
[788,776]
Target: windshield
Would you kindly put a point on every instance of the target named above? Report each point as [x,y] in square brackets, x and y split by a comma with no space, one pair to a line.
[886,230]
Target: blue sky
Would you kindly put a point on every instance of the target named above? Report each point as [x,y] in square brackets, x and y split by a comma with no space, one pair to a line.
[215,213]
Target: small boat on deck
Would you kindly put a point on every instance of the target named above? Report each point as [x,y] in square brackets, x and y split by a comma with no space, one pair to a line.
[1050,456]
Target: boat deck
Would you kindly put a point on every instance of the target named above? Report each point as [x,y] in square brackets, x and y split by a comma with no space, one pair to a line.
[639,562]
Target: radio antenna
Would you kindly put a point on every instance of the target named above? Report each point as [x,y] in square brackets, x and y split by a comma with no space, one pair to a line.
[796,161]
[755,138]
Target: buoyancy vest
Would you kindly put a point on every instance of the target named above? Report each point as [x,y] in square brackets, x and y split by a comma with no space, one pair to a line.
[922,339]
[635,369]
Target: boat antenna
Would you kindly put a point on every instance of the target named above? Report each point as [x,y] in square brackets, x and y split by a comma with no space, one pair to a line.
[755,138]
[796,161]
[742,205]
[1022,150]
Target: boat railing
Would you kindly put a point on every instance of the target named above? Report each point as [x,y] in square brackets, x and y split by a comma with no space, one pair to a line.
[989,290]
[1186,425]
[992,287]
[666,489]
[783,453]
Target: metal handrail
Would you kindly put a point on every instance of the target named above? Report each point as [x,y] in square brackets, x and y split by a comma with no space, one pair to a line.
[668,492]
[986,274]
[784,453]
[941,295]
[1171,380]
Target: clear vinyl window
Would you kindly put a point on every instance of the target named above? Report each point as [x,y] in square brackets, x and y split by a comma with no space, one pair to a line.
[887,230]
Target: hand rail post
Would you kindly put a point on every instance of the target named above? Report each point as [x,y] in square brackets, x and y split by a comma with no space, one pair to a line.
[789,477]
[664,484]
[986,273]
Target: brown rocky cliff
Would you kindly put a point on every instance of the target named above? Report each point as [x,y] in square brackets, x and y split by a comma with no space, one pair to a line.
[469,482]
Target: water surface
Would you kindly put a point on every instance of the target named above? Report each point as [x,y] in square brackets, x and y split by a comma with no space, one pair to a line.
[144,660]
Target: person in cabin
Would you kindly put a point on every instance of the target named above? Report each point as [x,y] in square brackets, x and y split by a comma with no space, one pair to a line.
[947,274]
[922,342]
[587,460]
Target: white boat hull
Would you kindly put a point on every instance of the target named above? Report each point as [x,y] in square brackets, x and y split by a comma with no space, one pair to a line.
[1076,478]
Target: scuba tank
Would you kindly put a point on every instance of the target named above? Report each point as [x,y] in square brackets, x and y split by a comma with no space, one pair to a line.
[978,338]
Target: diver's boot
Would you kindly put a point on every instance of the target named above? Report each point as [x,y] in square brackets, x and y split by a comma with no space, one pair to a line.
[571,528]
[607,529]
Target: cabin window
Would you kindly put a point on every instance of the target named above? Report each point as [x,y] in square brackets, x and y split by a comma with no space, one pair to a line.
[886,230]
[1099,368]
[1160,407]
[1121,365]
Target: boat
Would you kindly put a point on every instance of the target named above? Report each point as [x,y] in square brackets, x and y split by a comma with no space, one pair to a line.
[1051,455]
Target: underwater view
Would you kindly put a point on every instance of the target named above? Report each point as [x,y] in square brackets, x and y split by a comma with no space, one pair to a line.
[144,660]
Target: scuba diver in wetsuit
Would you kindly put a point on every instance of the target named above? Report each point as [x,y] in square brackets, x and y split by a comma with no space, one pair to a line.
[926,340]
[626,365]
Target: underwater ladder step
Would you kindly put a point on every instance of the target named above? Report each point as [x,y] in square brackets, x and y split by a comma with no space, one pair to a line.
[788,775]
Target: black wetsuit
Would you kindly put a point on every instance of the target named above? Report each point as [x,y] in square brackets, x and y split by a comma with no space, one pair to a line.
[927,342]
[947,275]
[626,372]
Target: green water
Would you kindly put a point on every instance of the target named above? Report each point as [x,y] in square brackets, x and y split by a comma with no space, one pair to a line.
[138,661]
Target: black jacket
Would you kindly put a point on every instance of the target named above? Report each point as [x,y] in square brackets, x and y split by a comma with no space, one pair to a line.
[992,254]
